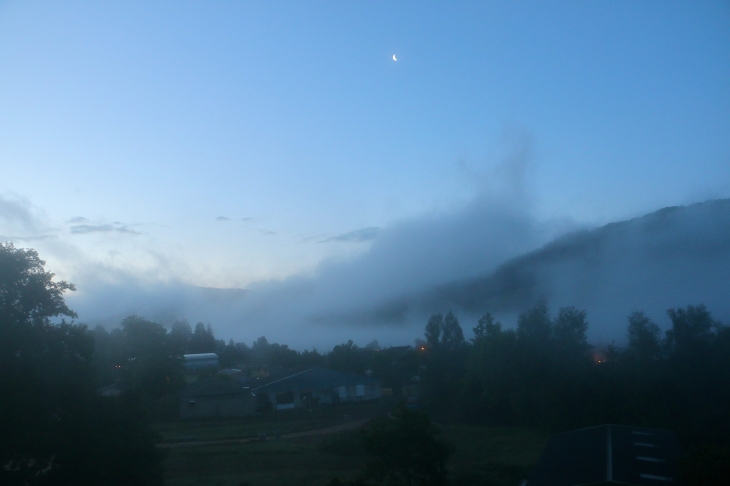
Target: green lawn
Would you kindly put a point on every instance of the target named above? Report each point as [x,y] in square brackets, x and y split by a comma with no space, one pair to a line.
[484,455]
[492,455]
[272,463]
[285,422]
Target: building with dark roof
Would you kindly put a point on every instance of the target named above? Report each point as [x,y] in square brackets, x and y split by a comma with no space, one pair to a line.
[609,454]
[309,387]
[212,397]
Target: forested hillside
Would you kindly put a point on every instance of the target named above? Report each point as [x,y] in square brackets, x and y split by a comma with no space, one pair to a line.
[677,254]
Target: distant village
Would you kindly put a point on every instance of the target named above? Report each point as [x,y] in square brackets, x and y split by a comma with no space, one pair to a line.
[121,403]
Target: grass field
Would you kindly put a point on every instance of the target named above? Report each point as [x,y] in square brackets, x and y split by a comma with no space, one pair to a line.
[484,455]
[285,422]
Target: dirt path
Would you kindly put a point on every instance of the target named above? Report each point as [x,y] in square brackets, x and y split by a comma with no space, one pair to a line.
[323,431]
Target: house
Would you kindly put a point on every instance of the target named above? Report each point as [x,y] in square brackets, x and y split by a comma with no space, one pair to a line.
[609,454]
[213,397]
[309,387]
[200,362]
[398,350]
[231,373]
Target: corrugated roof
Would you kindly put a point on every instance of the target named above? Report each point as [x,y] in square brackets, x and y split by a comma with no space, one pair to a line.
[210,387]
[609,454]
[309,378]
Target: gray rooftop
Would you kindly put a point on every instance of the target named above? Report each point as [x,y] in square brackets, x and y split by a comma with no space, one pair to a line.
[212,387]
[308,378]
[609,454]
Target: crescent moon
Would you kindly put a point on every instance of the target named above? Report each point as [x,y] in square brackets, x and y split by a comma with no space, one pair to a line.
[394,58]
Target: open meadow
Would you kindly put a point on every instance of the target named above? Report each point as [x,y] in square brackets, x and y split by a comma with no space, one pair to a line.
[310,448]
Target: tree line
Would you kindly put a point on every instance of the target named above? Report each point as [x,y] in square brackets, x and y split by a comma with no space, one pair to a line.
[148,358]
[544,374]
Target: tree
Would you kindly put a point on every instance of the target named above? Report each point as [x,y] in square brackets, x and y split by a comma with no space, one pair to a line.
[445,361]
[644,337]
[152,365]
[698,363]
[202,340]
[569,330]
[48,391]
[373,345]
[405,450]
[311,358]
[452,337]
[181,334]
[347,357]
[691,329]
[232,354]
[433,330]
[533,325]
[486,328]
[489,381]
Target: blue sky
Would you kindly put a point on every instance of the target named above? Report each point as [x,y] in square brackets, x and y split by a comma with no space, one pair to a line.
[228,144]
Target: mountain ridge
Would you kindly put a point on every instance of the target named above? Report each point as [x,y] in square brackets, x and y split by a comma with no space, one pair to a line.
[674,252]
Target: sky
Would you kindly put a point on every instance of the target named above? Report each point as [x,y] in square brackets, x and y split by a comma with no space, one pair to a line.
[147,148]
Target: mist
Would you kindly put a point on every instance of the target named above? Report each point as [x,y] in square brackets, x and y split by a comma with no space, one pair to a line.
[670,258]
[489,254]
[374,295]
[363,298]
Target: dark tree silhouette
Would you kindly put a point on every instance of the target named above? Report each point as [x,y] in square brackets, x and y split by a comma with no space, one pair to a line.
[405,450]
[54,428]
[644,337]
[445,361]
[533,325]
[181,334]
[347,357]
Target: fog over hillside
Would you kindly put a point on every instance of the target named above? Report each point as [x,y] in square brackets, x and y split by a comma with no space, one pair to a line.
[672,257]
[480,258]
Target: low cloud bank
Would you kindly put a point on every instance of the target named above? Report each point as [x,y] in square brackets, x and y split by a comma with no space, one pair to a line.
[340,301]
[489,255]
[670,258]
[482,257]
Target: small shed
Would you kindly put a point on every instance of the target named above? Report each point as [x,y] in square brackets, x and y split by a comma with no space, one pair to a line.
[310,387]
[609,454]
[200,362]
[213,397]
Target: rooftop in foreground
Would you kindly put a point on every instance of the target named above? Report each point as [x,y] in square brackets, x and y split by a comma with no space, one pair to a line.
[609,454]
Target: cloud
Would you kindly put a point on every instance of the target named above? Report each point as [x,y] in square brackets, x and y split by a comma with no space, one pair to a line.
[248,219]
[369,295]
[27,238]
[670,258]
[357,236]
[18,213]
[78,220]
[22,221]
[490,253]
[116,227]
[222,218]
[486,256]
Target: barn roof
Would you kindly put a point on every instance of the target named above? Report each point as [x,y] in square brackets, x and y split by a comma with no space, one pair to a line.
[211,387]
[609,454]
[308,378]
